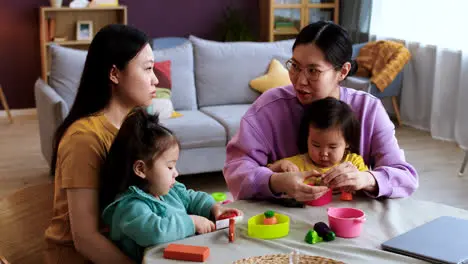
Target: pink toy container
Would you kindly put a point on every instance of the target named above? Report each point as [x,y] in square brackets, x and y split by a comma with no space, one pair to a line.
[322,200]
[346,222]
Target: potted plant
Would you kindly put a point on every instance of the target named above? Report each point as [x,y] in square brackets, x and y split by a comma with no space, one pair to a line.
[234,27]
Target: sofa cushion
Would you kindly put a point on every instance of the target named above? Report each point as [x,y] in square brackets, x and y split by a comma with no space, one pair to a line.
[167,42]
[195,129]
[182,76]
[276,76]
[223,70]
[201,160]
[162,70]
[228,115]
[65,72]
[162,103]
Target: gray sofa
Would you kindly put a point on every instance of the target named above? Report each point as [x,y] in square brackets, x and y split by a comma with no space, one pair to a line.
[210,87]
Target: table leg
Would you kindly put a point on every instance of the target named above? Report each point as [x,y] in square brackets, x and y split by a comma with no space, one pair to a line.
[465,160]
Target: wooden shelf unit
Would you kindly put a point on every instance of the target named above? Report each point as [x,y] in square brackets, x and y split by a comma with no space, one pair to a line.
[84,9]
[70,43]
[61,22]
[283,19]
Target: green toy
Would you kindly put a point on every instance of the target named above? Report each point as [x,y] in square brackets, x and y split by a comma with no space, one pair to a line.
[312,237]
[257,229]
[269,214]
[324,231]
[219,196]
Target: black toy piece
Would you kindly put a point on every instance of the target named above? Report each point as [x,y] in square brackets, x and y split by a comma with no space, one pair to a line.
[324,231]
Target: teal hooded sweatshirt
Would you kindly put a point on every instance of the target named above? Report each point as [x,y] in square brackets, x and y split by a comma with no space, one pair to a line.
[138,219]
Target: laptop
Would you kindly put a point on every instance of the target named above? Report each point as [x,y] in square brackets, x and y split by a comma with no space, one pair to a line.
[442,240]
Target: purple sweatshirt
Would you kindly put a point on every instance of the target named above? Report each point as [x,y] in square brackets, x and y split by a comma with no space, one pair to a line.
[269,130]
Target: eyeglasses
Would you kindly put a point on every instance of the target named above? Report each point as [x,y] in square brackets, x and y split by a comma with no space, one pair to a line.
[311,73]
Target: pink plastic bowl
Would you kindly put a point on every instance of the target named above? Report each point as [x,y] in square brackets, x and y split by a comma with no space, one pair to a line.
[346,222]
[322,200]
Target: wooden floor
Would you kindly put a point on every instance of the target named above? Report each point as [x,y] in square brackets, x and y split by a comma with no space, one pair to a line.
[438,162]
[21,161]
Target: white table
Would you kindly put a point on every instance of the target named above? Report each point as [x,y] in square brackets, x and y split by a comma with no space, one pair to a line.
[385,219]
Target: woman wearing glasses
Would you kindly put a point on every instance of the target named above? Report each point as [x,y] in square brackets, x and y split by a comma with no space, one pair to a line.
[269,130]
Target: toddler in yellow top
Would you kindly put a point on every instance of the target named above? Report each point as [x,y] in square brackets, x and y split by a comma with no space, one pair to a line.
[329,135]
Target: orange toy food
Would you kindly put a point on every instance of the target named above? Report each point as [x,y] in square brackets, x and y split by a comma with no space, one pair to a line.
[270,218]
[346,196]
[186,252]
[232,229]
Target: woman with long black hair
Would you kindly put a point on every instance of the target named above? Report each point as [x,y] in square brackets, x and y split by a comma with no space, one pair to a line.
[117,76]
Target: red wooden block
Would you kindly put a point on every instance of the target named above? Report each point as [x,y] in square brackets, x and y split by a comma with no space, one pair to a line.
[227,215]
[186,252]
[232,229]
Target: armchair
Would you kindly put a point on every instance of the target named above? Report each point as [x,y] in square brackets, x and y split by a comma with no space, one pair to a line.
[364,84]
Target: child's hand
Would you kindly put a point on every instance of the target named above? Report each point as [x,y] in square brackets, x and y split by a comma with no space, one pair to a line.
[202,224]
[219,210]
[347,176]
[283,166]
[292,183]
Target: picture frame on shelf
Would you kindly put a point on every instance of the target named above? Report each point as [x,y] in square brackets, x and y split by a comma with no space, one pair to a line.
[84,30]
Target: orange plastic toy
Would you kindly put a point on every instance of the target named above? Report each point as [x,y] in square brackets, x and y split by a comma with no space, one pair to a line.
[346,196]
[186,252]
[270,218]
[232,229]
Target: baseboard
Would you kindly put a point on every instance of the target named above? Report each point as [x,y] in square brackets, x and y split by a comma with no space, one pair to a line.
[20,112]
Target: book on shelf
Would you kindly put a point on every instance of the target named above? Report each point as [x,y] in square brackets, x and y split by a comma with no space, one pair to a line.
[60,39]
[51,28]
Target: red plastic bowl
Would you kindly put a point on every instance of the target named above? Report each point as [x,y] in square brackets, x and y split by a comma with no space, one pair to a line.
[322,200]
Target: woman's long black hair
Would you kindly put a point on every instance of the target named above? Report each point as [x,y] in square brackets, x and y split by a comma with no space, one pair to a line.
[140,137]
[114,45]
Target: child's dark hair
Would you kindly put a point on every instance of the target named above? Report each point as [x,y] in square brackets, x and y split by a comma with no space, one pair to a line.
[328,113]
[140,137]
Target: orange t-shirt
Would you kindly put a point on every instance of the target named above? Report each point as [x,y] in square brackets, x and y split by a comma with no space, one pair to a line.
[80,155]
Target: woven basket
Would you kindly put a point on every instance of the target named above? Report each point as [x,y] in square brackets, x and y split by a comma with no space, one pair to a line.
[285,259]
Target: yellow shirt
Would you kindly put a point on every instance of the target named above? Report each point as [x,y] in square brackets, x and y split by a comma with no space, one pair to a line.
[80,155]
[302,161]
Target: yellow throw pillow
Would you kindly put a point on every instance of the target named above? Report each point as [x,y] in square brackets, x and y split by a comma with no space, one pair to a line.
[176,114]
[276,76]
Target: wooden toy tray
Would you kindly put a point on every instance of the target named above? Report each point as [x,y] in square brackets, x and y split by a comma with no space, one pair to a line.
[287,259]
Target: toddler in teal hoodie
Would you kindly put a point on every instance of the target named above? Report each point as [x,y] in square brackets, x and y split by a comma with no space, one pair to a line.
[140,200]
